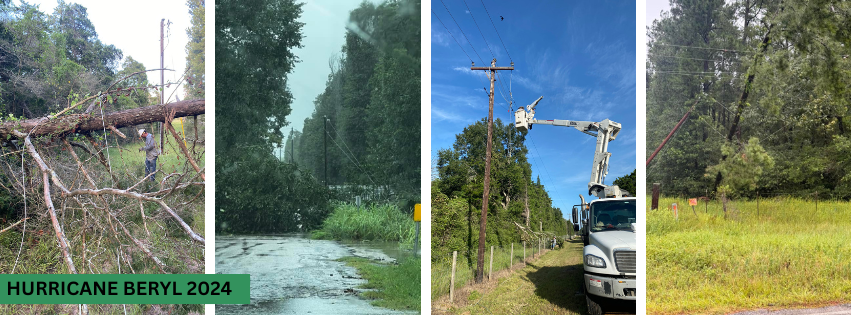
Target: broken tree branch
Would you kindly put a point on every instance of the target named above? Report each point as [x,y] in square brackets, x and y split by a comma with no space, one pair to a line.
[169,118]
[13,225]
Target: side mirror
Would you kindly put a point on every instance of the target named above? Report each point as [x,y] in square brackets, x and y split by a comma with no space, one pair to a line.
[575,216]
[576,227]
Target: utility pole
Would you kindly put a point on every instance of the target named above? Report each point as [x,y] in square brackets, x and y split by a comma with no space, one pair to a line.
[325,144]
[162,79]
[292,147]
[480,262]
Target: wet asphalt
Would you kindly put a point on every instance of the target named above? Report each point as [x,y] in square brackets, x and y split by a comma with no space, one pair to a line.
[295,275]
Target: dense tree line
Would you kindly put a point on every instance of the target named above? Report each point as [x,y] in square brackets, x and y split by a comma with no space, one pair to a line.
[456,193]
[770,84]
[47,60]
[370,109]
[371,102]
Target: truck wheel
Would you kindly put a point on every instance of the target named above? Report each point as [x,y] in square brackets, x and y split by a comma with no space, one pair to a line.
[593,307]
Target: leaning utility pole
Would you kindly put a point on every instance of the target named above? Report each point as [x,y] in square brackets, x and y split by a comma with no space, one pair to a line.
[480,262]
[162,80]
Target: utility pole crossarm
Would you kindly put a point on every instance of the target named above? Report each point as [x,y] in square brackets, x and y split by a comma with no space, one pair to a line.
[491,68]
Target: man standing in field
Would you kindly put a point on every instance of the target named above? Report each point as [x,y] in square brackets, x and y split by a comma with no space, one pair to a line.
[151,153]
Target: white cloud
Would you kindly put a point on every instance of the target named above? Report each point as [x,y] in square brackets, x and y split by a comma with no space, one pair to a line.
[525,82]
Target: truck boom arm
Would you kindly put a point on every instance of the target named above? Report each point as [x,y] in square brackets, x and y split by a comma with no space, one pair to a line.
[604,131]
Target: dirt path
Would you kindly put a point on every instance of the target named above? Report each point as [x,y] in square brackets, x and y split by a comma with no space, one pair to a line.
[295,275]
[552,284]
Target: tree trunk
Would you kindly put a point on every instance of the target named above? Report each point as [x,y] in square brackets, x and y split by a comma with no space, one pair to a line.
[82,123]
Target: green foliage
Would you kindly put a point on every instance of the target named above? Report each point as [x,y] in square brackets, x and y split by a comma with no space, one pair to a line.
[798,105]
[741,170]
[456,194]
[50,58]
[374,223]
[280,199]
[626,182]
[372,132]
[255,192]
[369,113]
[195,50]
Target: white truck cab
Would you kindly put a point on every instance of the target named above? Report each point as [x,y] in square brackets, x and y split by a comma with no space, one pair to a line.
[608,233]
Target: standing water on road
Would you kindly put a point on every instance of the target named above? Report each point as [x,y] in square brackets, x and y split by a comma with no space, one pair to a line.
[291,274]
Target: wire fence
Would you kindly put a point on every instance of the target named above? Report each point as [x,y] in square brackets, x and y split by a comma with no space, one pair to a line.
[758,205]
[504,257]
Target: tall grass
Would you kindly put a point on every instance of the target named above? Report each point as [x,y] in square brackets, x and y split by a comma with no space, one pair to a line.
[373,223]
[465,267]
[394,286]
[786,254]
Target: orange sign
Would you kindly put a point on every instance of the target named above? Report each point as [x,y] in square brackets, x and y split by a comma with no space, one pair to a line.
[692,202]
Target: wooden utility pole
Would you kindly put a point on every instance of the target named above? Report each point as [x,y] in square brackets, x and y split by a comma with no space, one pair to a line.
[526,198]
[325,144]
[162,79]
[480,259]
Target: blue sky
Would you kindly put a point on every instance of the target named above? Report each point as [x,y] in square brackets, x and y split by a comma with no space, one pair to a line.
[579,56]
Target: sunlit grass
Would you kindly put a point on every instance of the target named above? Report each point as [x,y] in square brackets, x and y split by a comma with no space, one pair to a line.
[787,254]
[465,269]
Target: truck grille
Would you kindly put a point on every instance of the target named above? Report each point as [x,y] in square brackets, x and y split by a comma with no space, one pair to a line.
[625,261]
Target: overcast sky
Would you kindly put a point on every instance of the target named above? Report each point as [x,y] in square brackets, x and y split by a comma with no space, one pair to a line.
[134,27]
[324,35]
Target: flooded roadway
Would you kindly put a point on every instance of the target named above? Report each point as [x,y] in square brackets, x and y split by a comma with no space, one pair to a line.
[292,274]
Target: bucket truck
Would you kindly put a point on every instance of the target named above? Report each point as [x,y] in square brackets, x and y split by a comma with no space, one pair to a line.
[607,223]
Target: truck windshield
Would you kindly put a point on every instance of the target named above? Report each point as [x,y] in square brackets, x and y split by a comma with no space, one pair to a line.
[612,215]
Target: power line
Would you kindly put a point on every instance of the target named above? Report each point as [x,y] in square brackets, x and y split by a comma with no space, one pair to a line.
[453,37]
[692,72]
[344,143]
[547,170]
[497,32]
[480,30]
[707,48]
[350,159]
[462,32]
[714,60]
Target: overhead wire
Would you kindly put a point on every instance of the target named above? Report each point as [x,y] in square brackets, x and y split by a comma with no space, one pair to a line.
[497,32]
[350,158]
[713,60]
[552,182]
[453,37]
[501,85]
[357,163]
[480,29]
[462,32]
[706,48]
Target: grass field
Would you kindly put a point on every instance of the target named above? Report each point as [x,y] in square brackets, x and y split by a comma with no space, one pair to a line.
[397,286]
[465,268]
[785,254]
[549,285]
